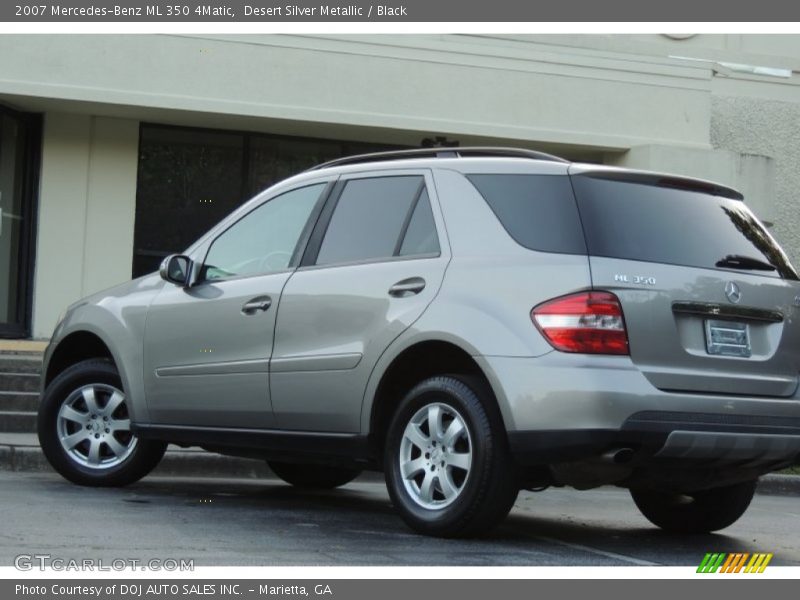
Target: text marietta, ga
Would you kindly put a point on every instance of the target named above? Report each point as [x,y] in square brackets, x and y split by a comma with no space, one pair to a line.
[325,10]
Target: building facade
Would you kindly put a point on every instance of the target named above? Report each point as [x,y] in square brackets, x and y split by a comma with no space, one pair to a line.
[117,150]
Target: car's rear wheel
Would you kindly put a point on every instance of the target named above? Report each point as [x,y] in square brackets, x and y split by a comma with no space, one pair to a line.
[85,431]
[448,469]
[695,512]
[311,476]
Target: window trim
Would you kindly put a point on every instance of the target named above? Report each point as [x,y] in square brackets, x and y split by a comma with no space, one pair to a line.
[301,244]
[371,261]
[401,238]
[309,260]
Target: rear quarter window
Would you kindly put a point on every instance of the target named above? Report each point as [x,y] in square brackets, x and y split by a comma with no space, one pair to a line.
[537,211]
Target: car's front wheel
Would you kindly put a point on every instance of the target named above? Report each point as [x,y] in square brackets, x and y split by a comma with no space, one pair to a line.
[695,512]
[85,432]
[448,469]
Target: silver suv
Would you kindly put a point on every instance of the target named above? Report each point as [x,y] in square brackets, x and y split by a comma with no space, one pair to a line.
[472,322]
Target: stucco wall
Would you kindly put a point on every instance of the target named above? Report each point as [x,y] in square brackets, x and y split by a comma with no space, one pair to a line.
[771,128]
[87,201]
[460,86]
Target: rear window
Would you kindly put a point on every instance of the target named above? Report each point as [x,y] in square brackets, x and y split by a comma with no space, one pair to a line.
[538,211]
[637,221]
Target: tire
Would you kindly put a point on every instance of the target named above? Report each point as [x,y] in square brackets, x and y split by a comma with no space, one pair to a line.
[461,481]
[309,476]
[86,439]
[695,512]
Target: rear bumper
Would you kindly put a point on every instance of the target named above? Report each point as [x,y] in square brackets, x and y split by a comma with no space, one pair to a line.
[703,439]
[561,407]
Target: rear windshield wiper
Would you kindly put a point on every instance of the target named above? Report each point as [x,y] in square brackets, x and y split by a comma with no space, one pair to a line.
[737,261]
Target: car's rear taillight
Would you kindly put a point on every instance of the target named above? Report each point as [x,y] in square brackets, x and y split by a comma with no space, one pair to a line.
[587,322]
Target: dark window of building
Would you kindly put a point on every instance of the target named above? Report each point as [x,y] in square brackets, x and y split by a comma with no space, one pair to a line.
[20,142]
[538,211]
[189,179]
[369,219]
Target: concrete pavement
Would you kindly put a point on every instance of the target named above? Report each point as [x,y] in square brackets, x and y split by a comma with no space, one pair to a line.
[249,522]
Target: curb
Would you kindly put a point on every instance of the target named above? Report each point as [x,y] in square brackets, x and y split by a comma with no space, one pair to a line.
[779,485]
[179,462]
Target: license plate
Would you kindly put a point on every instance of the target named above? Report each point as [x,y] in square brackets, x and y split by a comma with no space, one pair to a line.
[727,338]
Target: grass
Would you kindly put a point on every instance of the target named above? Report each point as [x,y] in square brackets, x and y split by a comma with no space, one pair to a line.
[791,471]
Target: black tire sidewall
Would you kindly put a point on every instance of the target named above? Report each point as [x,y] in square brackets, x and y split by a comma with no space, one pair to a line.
[457,394]
[712,509]
[313,476]
[94,371]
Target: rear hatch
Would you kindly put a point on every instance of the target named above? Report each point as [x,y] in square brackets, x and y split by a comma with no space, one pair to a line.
[710,300]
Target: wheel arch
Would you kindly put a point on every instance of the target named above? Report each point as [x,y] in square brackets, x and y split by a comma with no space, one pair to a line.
[74,348]
[411,363]
[81,341]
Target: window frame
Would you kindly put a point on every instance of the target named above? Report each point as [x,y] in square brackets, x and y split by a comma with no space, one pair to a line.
[311,254]
[237,217]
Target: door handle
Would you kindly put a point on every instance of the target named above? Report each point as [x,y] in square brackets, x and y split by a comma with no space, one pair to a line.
[407,287]
[255,305]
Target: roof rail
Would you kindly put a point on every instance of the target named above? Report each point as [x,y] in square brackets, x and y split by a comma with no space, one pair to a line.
[454,152]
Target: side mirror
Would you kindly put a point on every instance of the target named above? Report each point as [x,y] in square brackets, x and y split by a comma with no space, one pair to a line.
[176,269]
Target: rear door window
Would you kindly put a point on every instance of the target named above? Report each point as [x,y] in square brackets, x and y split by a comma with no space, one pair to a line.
[377,218]
[538,211]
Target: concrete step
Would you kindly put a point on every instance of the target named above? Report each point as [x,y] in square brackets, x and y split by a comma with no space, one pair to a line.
[19,401]
[17,421]
[19,390]
[19,382]
[20,363]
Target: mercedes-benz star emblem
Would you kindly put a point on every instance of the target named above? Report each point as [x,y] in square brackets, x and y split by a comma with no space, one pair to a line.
[732,292]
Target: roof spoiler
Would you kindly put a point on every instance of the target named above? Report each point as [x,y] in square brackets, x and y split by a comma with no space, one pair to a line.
[689,184]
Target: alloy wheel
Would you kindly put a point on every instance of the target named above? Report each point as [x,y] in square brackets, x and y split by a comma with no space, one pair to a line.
[94,427]
[435,456]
